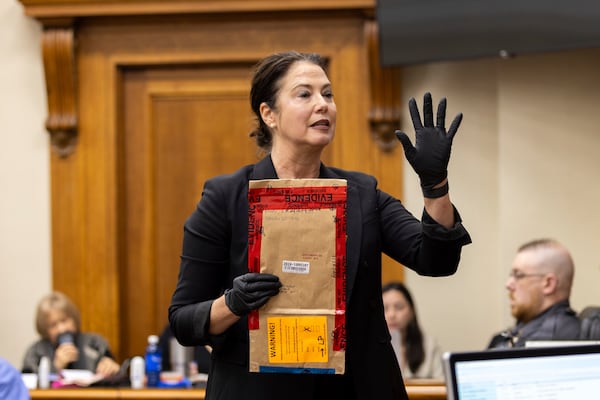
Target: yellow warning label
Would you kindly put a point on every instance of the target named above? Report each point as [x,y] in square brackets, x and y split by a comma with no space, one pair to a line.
[297,339]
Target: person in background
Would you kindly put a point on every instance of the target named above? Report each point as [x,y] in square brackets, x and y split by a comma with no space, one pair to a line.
[201,354]
[539,287]
[11,384]
[293,101]
[58,323]
[419,355]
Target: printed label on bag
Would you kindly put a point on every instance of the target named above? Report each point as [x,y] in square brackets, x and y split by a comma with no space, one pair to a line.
[296,267]
[297,339]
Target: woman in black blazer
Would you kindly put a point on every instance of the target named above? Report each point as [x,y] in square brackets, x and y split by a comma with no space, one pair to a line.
[292,98]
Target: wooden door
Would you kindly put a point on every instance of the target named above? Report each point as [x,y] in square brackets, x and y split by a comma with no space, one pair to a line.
[181,126]
[166,107]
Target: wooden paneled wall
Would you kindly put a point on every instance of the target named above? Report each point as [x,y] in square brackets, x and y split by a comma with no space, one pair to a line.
[147,99]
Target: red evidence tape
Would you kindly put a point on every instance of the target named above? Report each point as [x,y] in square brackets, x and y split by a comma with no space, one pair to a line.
[310,197]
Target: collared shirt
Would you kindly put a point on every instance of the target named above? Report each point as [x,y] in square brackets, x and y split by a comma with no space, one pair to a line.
[11,384]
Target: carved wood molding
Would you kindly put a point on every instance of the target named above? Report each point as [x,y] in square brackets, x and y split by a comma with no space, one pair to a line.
[89,8]
[59,66]
[58,18]
[384,113]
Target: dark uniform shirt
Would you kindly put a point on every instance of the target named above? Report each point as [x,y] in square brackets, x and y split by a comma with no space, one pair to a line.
[558,322]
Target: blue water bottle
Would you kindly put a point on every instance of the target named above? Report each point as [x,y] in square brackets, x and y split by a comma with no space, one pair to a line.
[153,361]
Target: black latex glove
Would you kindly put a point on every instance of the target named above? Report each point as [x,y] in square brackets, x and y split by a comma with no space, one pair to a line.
[431,153]
[250,291]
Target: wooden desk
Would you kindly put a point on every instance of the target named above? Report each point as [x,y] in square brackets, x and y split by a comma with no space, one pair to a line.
[426,389]
[116,393]
[422,392]
[416,391]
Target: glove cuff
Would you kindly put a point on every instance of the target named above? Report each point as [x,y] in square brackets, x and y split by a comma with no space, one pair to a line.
[431,193]
[229,302]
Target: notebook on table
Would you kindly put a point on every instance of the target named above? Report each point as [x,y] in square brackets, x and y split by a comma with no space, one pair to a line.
[540,373]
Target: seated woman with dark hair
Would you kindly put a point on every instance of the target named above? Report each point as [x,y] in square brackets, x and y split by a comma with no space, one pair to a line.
[419,355]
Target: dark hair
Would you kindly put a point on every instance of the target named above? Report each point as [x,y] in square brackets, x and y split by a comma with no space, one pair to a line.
[266,84]
[413,340]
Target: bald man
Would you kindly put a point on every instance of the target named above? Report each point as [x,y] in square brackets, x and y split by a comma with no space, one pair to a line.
[539,287]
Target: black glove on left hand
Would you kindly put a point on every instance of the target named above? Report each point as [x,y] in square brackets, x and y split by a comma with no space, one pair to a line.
[431,153]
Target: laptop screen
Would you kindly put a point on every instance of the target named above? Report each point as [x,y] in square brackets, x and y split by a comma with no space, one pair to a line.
[549,373]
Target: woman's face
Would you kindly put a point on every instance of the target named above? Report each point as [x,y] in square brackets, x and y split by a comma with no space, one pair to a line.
[398,312]
[305,113]
[58,322]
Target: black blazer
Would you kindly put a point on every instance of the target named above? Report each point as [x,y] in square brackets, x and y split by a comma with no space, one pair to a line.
[215,252]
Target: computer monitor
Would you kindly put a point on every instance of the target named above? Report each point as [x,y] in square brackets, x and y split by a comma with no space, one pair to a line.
[552,373]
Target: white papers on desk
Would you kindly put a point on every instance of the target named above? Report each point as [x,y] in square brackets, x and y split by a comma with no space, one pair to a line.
[30,380]
[79,377]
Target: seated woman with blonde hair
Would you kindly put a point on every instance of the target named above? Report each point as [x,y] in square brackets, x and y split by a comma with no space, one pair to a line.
[58,323]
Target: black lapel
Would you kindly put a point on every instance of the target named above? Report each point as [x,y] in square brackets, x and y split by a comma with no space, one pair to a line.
[264,169]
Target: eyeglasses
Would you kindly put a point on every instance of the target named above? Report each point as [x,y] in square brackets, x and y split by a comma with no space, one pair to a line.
[518,275]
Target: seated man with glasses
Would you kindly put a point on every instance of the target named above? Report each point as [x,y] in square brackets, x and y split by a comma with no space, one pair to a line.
[539,286]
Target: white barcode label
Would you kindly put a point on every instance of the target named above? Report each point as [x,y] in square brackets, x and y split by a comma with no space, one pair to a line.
[296,267]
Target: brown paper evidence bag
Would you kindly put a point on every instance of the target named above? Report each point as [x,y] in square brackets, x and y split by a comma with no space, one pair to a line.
[297,231]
